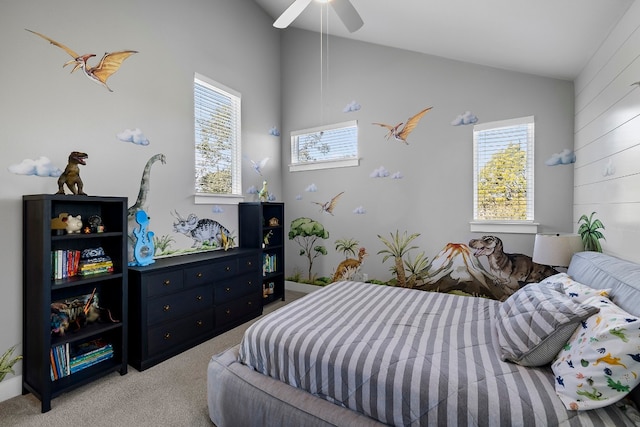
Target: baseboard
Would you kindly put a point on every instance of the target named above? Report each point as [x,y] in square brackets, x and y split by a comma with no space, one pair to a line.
[300,287]
[11,387]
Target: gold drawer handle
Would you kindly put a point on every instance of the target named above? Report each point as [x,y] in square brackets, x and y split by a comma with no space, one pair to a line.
[167,335]
[199,323]
[166,307]
[249,303]
[166,282]
[228,311]
[199,298]
[198,275]
[227,289]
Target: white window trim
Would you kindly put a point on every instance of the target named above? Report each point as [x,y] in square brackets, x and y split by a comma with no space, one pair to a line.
[217,199]
[328,164]
[515,227]
[331,164]
[205,198]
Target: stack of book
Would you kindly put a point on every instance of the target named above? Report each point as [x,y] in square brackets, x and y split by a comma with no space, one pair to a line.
[96,265]
[67,360]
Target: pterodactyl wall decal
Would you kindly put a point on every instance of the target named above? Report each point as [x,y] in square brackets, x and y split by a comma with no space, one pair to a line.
[109,64]
[402,134]
[328,206]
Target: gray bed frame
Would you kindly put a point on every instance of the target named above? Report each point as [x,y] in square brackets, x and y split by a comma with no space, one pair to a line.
[239,396]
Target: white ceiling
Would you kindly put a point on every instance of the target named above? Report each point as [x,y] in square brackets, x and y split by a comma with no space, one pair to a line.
[553,38]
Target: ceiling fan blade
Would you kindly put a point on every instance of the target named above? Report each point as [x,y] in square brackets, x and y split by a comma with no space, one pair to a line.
[291,13]
[347,14]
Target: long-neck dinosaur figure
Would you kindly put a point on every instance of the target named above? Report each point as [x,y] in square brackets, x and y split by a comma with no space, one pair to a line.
[144,185]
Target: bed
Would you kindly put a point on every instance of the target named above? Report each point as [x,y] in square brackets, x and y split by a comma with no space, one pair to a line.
[359,354]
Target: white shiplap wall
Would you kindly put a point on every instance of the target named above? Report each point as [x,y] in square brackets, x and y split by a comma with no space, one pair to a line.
[607,138]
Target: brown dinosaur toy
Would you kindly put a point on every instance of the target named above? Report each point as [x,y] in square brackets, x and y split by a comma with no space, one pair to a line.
[71,174]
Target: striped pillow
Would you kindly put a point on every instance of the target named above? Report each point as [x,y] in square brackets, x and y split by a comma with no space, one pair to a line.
[535,323]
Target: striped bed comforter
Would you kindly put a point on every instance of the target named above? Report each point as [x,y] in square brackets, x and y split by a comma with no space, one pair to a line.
[407,357]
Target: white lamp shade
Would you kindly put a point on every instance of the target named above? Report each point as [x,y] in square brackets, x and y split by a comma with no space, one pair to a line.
[556,250]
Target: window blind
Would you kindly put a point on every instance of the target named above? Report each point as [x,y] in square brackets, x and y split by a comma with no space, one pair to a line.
[325,143]
[504,170]
[217,138]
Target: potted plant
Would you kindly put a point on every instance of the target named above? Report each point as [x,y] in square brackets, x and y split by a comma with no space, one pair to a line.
[7,362]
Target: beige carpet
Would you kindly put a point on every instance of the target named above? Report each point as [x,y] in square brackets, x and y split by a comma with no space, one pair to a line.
[172,393]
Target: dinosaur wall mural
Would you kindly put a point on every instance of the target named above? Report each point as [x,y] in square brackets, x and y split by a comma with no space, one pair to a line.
[109,64]
[455,269]
[205,232]
[402,133]
[141,200]
[348,268]
[145,185]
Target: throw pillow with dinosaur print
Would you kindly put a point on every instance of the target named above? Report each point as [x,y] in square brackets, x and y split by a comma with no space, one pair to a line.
[601,362]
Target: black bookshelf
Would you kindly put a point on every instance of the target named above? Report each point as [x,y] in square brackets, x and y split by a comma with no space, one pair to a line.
[262,226]
[41,288]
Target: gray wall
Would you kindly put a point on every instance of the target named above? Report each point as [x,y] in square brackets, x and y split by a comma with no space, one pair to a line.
[47,112]
[435,196]
[607,142]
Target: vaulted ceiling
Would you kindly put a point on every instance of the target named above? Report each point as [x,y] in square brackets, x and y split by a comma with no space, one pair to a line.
[553,38]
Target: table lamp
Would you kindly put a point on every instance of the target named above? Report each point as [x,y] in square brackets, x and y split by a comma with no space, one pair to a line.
[556,249]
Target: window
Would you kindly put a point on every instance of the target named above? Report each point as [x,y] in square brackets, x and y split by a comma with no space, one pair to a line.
[325,147]
[503,175]
[217,140]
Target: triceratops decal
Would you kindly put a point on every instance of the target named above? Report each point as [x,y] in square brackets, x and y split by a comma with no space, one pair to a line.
[203,231]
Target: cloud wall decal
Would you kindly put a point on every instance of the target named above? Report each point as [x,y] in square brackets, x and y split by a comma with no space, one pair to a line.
[468,118]
[566,157]
[134,136]
[40,167]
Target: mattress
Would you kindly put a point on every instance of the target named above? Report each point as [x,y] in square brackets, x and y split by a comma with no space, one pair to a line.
[406,357]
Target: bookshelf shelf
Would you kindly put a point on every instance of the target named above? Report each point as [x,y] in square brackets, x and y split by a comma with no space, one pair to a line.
[41,289]
[255,231]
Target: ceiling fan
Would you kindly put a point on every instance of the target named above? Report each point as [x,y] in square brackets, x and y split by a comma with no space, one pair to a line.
[343,8]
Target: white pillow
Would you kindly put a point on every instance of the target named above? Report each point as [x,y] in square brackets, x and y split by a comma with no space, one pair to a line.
[575,290]
[601,362]
[536,321]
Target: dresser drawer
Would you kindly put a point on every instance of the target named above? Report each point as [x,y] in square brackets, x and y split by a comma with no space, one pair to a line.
[162,338]
[207,273]
[177,305]
[231,311]
[249,263]
[232,289]
[162,283]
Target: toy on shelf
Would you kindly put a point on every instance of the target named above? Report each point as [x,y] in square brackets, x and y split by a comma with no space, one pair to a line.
[144,247]
[74,224]
[59,224]
[71,175]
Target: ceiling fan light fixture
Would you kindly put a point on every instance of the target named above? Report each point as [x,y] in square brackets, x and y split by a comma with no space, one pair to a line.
[343,8]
